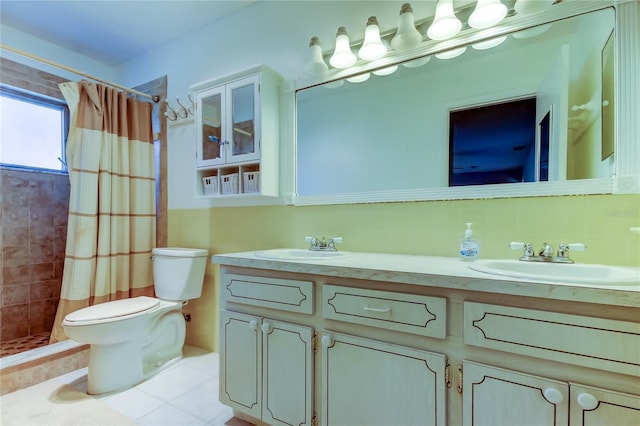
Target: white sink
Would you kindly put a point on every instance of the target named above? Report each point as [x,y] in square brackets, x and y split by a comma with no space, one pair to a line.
[299,254]
[560,272]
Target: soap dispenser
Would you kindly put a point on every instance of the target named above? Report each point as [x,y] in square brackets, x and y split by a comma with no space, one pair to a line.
[469,246]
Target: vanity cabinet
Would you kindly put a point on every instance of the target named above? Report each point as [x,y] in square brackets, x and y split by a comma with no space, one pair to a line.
[412,349]
[267,367]
[369,382]
[495,396]
[237,134]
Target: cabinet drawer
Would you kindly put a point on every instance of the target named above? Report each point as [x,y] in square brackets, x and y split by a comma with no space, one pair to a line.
[274,293]
[604,344]
[408,313]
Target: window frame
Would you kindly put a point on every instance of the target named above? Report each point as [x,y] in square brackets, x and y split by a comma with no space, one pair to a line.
[42,100]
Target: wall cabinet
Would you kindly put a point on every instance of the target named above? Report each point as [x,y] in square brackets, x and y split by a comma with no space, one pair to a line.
[411,354]
[237,123]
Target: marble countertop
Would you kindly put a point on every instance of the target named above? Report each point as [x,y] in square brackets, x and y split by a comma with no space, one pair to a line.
[435,271]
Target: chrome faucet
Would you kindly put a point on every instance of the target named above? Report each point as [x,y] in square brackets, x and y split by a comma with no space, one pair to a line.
[546,253]
[316,244]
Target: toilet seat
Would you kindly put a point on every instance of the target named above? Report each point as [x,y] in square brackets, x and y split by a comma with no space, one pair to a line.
[111,311]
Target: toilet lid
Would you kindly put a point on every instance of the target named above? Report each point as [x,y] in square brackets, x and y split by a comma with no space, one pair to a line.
[114,309]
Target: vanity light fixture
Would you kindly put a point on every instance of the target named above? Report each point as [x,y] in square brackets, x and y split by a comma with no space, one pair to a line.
[487,14]
[445,23]
[407,36]
[488,44]
[452,53]
[315,64]
[372,48]
[342,56]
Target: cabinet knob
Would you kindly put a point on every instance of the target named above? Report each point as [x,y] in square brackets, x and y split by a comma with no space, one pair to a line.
[587,401]
[253,325]
[266,327]
[553,395]
[327,341]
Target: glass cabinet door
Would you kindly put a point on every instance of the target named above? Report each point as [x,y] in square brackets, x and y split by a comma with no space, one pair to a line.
[242,119]
[211,138]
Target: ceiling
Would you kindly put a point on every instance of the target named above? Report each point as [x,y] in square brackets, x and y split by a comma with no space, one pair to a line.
[113,31]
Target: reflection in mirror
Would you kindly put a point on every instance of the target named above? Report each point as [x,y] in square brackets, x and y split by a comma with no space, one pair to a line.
[494,144]
[391,133]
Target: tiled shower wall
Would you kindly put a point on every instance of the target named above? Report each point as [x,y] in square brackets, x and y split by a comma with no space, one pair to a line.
[34,210]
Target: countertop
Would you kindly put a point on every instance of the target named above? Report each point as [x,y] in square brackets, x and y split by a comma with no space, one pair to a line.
[436,271]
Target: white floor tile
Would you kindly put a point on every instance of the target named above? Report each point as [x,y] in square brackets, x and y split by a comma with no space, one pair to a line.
[201,401]
[173,382]
[132,403]
[168,415]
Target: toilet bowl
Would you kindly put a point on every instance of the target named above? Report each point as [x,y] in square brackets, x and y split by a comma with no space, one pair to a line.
[133,339]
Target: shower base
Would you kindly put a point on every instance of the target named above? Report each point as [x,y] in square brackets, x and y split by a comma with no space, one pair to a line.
[22,344]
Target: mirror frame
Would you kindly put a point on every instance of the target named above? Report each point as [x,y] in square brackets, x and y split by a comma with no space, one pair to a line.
[626,179]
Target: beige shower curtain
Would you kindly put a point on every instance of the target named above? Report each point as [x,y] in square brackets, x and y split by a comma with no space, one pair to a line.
[112,207]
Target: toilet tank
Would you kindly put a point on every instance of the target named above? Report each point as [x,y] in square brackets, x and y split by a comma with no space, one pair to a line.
[178,273]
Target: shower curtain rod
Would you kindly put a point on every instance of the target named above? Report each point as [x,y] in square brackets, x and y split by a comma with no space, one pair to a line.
[155,98]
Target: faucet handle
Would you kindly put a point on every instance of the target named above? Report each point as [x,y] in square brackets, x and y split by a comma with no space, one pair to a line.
[575,246]
[528,250]
[564,248]
[337,240]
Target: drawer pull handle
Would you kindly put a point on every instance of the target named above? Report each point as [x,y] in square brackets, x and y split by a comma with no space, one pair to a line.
[327,341]
[384,310]
[266,327]
[253,325]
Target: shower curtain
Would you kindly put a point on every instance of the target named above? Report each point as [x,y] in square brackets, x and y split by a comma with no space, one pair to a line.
[112,206]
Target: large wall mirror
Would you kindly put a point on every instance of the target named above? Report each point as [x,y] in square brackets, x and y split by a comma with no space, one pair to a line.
[391,137]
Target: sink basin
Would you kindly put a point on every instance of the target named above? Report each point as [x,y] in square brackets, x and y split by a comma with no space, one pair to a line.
[567,273]
[299,254]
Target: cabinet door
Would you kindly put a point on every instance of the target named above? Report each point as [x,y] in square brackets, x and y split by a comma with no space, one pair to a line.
[367,382]
[288,372]
[493,396]
[599,407]
[242,120]
[210,149]
[241,362]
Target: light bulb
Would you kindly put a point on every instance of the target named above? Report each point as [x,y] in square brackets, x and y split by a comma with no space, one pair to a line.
[386,71]
[407,35]
[488,44]
[315,64]
[359,78]
[527,7]
[372,47]
[417,62]
[342,56]
[487,13]
[445,24]
[450,54]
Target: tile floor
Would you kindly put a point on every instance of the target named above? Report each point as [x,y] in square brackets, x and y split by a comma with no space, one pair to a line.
[184,394]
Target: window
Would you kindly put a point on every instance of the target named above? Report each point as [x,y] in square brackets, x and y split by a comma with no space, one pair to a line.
[33,130]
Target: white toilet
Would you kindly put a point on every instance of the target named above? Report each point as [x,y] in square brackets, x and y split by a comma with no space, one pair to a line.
[132,339]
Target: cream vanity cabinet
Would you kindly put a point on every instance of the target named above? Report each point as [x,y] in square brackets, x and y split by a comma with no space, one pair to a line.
[266,367]
[411,348]
[237,134]
[500,396]
[366,381]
